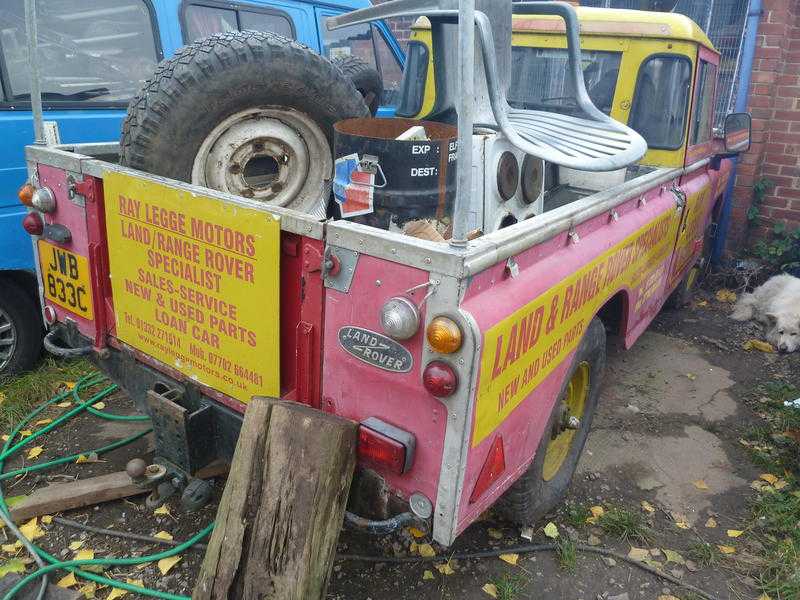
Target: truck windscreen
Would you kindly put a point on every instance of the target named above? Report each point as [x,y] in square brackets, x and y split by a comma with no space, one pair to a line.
[540,79]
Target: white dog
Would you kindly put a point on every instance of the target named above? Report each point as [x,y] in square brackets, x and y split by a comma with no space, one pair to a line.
[776,304]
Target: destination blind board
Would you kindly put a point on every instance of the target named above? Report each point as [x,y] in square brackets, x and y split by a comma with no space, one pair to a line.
[196,283]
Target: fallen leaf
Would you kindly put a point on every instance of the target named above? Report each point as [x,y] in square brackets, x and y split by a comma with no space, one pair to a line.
[425,550]
[31,529]
[445,569]
[87,554]
[12,548]
[165,564]
[639,554]
[725,295]
[413,547]
[758,345]
[691,376]
[769,478]
[116,593]
[673,557]
[764,597]
[647,507]
[162,510]
[76,545]
[142,566]
[138,582]
[726,549]
[14,565]
[759,485]
[702,303]
[550,530]
[12,501]
[597,511]
[780,484]
[490,589]
[495,533]
[417,533]
[2,397]
[43,422]
[427,575]
[34,452]
[70,385]
[701,485]
[511,558]
[88,590]
[711,523]
[66,404]
[5,437]
[99,405]
[25,433]
[652,563]
[67,581]
[47,519]
[667,597]
[88,458]
[734,533]
[163,535]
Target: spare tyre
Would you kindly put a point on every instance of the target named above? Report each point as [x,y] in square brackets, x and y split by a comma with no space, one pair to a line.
[247,112]
[365,79]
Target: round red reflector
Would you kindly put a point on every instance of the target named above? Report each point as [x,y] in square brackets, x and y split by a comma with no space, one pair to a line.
[49,315]
[439,379]
[33,223]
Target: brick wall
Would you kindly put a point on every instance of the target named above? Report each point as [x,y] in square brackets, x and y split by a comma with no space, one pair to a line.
[775,105]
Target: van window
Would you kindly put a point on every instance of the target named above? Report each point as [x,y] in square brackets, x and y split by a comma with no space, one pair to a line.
[661,100]
[89,50]
[704,110]
[367,43]
[203,20]
[540,80]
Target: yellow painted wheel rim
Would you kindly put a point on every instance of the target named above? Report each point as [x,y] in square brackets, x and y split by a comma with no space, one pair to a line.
[575,402]
[691,279]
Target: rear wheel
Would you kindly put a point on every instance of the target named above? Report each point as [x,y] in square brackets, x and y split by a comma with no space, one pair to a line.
[250,113]
[546,481]
[20,330]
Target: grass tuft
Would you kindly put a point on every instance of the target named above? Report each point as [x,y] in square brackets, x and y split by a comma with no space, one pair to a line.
[567,554]
[704,554]
[508,586]
[625,525]
[576,514]
[22,393]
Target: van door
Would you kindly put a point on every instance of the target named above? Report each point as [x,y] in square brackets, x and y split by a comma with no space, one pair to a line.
[697,187]
[372,43]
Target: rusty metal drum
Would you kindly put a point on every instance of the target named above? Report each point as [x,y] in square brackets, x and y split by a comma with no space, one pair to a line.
[380,179]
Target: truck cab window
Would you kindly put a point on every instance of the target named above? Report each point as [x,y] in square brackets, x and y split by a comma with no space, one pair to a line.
[661,100]
[540,79]
[201,20]
[704,108]
[89,50]
[365,42]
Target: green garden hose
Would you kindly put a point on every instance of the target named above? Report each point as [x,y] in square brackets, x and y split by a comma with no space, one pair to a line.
[55,564]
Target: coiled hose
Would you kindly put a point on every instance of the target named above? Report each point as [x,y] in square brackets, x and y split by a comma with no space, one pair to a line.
[10,448]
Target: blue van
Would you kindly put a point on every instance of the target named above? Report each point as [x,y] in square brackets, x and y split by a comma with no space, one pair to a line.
[94,55]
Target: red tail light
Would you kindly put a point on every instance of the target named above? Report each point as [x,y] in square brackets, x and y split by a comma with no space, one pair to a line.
[439,379]
[33,224]
[494,465]
[385,446]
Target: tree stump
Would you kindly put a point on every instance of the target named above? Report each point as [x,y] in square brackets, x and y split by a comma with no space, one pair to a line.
[283,505]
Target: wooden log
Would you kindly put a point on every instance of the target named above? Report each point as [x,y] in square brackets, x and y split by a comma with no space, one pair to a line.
[283,505]
[94,490]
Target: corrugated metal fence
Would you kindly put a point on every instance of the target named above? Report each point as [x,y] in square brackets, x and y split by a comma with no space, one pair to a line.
[724,23]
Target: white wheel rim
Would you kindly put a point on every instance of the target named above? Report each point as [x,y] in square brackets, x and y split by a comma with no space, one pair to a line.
[277,156]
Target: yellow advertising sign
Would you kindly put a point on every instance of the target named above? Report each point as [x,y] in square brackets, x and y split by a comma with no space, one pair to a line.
[196,283]
[524,348]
